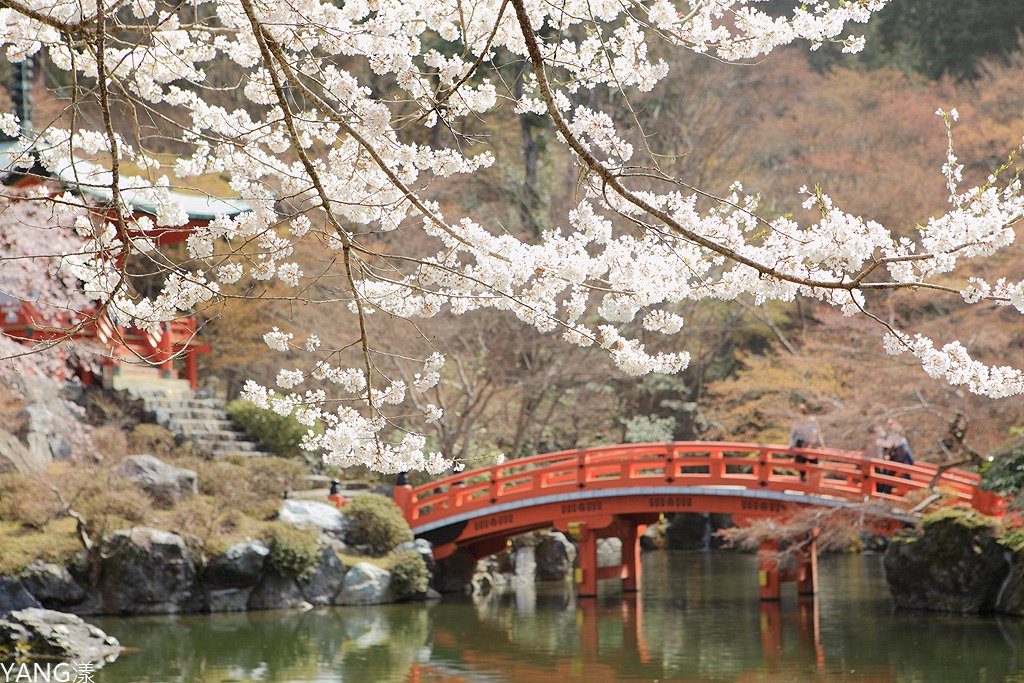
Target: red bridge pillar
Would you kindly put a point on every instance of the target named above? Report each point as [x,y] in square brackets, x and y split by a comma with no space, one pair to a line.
[631,557]
[804,570]
[628,571]
[586,563]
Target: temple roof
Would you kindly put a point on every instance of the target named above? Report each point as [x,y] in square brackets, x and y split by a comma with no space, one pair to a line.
[92,181]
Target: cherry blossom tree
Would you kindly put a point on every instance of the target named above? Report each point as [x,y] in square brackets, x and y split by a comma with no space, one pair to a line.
[37,234]
[328,150]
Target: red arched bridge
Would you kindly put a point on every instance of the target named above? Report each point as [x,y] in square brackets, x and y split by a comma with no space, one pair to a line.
[609,491]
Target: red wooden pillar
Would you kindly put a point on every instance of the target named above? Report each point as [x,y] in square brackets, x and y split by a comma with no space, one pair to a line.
[165,351]
[586,559]
[804,573]
[191,373]
[807,566]
[631,557]
[768,578]
[403,497]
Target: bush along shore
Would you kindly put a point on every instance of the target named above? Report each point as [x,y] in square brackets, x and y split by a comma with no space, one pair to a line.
[310,556]
[304,559]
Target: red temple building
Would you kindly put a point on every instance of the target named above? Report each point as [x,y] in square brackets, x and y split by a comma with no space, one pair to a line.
[129,355]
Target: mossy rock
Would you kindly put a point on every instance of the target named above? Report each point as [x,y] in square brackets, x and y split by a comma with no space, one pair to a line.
[953,563]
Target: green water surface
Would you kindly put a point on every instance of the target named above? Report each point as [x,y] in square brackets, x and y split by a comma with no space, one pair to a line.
[697,619]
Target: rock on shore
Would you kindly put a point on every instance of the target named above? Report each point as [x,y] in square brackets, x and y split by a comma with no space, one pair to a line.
[954,563]
[44,633]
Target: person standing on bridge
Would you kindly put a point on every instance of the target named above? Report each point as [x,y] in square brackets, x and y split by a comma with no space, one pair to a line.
[899,447]
[878,449]
[804,433]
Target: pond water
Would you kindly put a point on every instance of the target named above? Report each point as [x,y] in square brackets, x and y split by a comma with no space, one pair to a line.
[697,619]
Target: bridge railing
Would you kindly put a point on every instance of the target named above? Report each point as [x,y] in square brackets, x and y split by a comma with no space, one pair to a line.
[825,472]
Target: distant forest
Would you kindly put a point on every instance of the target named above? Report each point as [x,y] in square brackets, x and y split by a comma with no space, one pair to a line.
[934,38]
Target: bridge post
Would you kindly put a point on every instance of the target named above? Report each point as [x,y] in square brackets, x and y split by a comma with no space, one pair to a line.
[768,577]
[586,557]
[631,557]
[807,566]
[403,495]
[804,572]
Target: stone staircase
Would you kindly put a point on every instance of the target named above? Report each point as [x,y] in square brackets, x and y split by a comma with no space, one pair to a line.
[172,404]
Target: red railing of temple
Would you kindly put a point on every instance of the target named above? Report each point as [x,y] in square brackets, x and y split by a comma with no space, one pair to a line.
[175,338]
[845,475]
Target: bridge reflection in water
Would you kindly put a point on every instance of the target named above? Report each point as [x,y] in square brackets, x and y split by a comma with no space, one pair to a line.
[612,647]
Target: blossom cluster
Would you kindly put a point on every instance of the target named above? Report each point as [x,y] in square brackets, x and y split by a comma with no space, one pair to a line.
[321,146]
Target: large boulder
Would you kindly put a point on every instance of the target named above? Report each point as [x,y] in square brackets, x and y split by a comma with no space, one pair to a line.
[308,513]
[323,583]
[239,566]
[52,585]
[365,584]
[166,483]
[13,596]
[524,564]
[276,592]
[53,425]
[653,537]
[454,573]
[228,599]
[555,555]
[14,457]
[695,531]
[492,575]
[609,552]
[148,571]
[46,633]
[229,578]
[1011,594]
[953,563]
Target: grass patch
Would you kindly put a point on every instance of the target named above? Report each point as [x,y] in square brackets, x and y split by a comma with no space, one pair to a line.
[348,560]
[57,542]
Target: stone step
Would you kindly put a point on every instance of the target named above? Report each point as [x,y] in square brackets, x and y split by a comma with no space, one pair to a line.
[190,414]
[189,425]
[183,403]
[212,437]
[154,389]
[136,371]
[205,422]
[237,448]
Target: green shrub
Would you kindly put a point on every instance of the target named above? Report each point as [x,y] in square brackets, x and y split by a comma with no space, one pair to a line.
[1004,474]
[376,521]
[282,435]
[293,552]
[409,576]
